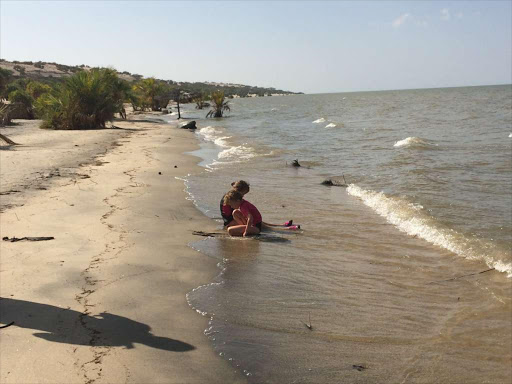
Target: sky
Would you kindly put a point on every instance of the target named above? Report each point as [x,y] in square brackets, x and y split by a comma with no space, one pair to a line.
[300,46]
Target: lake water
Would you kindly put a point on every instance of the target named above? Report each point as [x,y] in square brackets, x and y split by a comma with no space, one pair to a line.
[404,273]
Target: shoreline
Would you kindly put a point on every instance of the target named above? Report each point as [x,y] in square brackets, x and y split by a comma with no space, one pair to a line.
[105,301]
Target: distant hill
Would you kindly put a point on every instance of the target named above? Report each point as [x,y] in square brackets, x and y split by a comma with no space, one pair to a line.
[51,72]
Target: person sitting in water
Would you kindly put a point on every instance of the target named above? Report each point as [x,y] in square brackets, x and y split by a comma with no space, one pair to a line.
[225,210]
[246,216]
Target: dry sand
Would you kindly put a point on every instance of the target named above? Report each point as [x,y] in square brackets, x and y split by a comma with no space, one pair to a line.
[104,302]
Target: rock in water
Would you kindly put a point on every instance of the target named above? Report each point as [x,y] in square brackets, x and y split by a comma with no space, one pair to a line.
[191,125]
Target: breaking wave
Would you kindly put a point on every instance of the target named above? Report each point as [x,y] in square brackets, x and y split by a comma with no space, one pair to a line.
[414,142]
[412,219]
[320,120]
[240,152]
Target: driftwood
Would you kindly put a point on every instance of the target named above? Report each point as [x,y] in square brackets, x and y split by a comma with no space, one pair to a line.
[335,183]
[459,277]
[15,239]
[308,326]
[7,140]
[7,325]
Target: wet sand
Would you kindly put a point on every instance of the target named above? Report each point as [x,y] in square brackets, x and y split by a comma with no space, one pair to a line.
[105,300]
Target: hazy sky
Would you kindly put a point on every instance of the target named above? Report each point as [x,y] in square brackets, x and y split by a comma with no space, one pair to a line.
[314,47]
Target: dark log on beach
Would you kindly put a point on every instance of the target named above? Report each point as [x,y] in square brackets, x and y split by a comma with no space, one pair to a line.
[7,140]
[7,325]
[191,125]
[15,239]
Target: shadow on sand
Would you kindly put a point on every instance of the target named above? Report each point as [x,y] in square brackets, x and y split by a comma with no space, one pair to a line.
[63,325]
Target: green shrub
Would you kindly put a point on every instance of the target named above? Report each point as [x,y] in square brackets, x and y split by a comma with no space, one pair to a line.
[5,76]
[20,69]
[86,100]
[21,96]
[21,100]
[150,94]
[36,89]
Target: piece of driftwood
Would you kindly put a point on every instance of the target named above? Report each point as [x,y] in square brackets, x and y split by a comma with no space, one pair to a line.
[308,326]
[209,234]
[7,325]
[7,140]
[335,183]
[459,277]
[39,238]
[259,237]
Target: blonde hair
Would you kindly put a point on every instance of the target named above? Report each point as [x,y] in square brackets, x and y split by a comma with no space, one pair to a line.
[240,186]
[232,195]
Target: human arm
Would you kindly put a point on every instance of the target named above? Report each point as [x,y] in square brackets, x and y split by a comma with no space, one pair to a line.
[249,224]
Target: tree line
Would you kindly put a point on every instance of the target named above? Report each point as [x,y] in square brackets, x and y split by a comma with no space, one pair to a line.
[89,99]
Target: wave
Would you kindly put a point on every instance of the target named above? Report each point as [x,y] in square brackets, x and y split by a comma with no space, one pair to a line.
[240,152]
[330,125]
[213,135]
[414,142]
[411,219]
[320,120]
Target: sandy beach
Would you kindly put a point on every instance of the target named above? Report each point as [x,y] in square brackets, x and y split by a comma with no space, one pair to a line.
[104,301]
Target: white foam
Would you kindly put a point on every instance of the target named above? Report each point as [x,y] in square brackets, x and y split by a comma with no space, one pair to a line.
[320,120]
[330,125]
[510,135]
[413,142]
[213,135]
[411,219]
[221,141]
[240,152]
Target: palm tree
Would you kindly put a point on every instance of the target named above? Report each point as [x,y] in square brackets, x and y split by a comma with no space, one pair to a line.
[87,100]
[152,94]
[200,101]
[219,105]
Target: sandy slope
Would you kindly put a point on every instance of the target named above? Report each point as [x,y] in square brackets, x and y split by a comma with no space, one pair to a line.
[105,301]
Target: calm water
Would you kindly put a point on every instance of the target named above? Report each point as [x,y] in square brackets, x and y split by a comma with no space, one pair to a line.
[387,268]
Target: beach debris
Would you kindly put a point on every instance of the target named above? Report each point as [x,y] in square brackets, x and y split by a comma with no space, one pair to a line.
[7,325]
[335,183]
[175,166]
[7,140]
[190,125]
[159,173]
[208,234]
[295,163]
[39,238]
[359,367]
[459,277]
[308,326]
